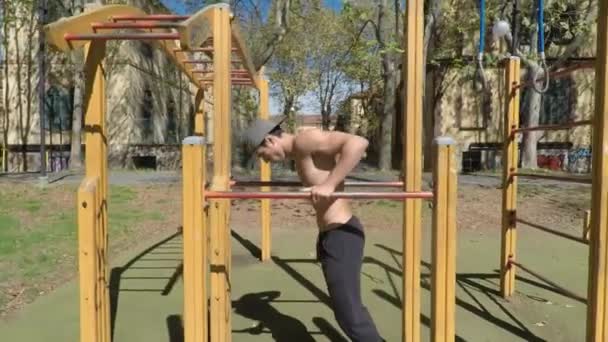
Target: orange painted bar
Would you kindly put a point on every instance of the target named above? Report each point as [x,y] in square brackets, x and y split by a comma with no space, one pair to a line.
[122,36]
[306,195]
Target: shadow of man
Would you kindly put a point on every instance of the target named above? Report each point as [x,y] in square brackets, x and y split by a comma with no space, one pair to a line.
[283,328]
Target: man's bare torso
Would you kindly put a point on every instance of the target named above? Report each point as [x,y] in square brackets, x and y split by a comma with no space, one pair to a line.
[314,170]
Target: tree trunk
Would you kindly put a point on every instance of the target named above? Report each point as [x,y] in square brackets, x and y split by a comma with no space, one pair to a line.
[77,113]
[389,79]
[288,112]
[6,88]
[19,95]
[532,117]
[388,114]
[77,59]
[325,112]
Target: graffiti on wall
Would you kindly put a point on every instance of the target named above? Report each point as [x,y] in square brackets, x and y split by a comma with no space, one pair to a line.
[575,160]
[550,161]
[579,160]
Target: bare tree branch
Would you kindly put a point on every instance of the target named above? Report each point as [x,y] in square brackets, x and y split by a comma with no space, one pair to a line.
[282,23]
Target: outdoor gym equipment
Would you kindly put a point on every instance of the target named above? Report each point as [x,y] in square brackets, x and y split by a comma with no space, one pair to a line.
[596,223]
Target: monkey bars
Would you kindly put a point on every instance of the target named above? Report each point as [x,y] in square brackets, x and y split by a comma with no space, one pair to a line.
[182,37]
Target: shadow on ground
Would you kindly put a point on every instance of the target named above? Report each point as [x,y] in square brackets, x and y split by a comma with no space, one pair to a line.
[117,275]
[475,285]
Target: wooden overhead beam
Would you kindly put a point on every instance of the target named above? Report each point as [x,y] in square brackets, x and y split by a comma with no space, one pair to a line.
[197,29]
[244,54]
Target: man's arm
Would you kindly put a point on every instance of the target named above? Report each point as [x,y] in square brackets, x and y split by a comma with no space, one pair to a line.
[350,148]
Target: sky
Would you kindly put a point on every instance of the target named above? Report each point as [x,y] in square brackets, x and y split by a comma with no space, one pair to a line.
[177,5]
[308,104]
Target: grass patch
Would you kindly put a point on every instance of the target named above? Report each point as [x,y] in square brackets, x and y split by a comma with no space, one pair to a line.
[39,233]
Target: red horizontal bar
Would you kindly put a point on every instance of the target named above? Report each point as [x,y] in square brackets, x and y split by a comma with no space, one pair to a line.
[233,72]
[140,25]
[201,49]
[122,36]
[295,183]
[553,127]
[306,195]
[168,17]
[210,80]
[557,178]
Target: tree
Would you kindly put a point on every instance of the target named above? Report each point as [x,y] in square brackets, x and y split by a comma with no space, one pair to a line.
[327,56]
[289,67]
[77,60]
[385,24]
[24,29]
[8,19]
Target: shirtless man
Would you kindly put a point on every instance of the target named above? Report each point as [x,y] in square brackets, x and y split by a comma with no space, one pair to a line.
[323,159]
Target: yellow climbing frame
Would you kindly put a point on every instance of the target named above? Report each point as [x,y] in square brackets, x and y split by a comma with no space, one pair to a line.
[210,36]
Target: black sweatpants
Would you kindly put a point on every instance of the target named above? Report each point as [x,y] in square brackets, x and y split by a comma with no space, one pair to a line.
[340,251]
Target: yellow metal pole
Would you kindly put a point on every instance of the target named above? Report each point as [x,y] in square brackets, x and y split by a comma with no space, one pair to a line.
[96,166]
[195,240]
[597,311]
[509,188]
[88,259]
[218,210]
[412,168]
[265,175]
[587,225]
[443,276]
[199,116]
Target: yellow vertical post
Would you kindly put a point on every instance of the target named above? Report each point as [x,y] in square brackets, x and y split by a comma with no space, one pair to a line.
[597,307]
[218,210]
[96,166]
[88,208]
[443,276]
[509,182]
[195,240]
[587,225]
[412,168]
[199,115]
[265,175]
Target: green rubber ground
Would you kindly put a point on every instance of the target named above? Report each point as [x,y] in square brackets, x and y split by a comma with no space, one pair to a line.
[283,300]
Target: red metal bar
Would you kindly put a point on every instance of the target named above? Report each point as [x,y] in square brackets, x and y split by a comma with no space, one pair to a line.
[234,72]
[556,287]
[306,195]
[557,178]
[561,73]
[139,25]
[200,49]
[296,183]
[122,36]
[552,231]
[553,127]
[167,17]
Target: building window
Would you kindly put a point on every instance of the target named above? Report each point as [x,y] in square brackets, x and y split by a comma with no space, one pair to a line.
[557,104]
[58,109]
[146,122]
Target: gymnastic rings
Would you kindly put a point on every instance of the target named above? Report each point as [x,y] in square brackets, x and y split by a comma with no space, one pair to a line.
[543,72]
[481,81]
